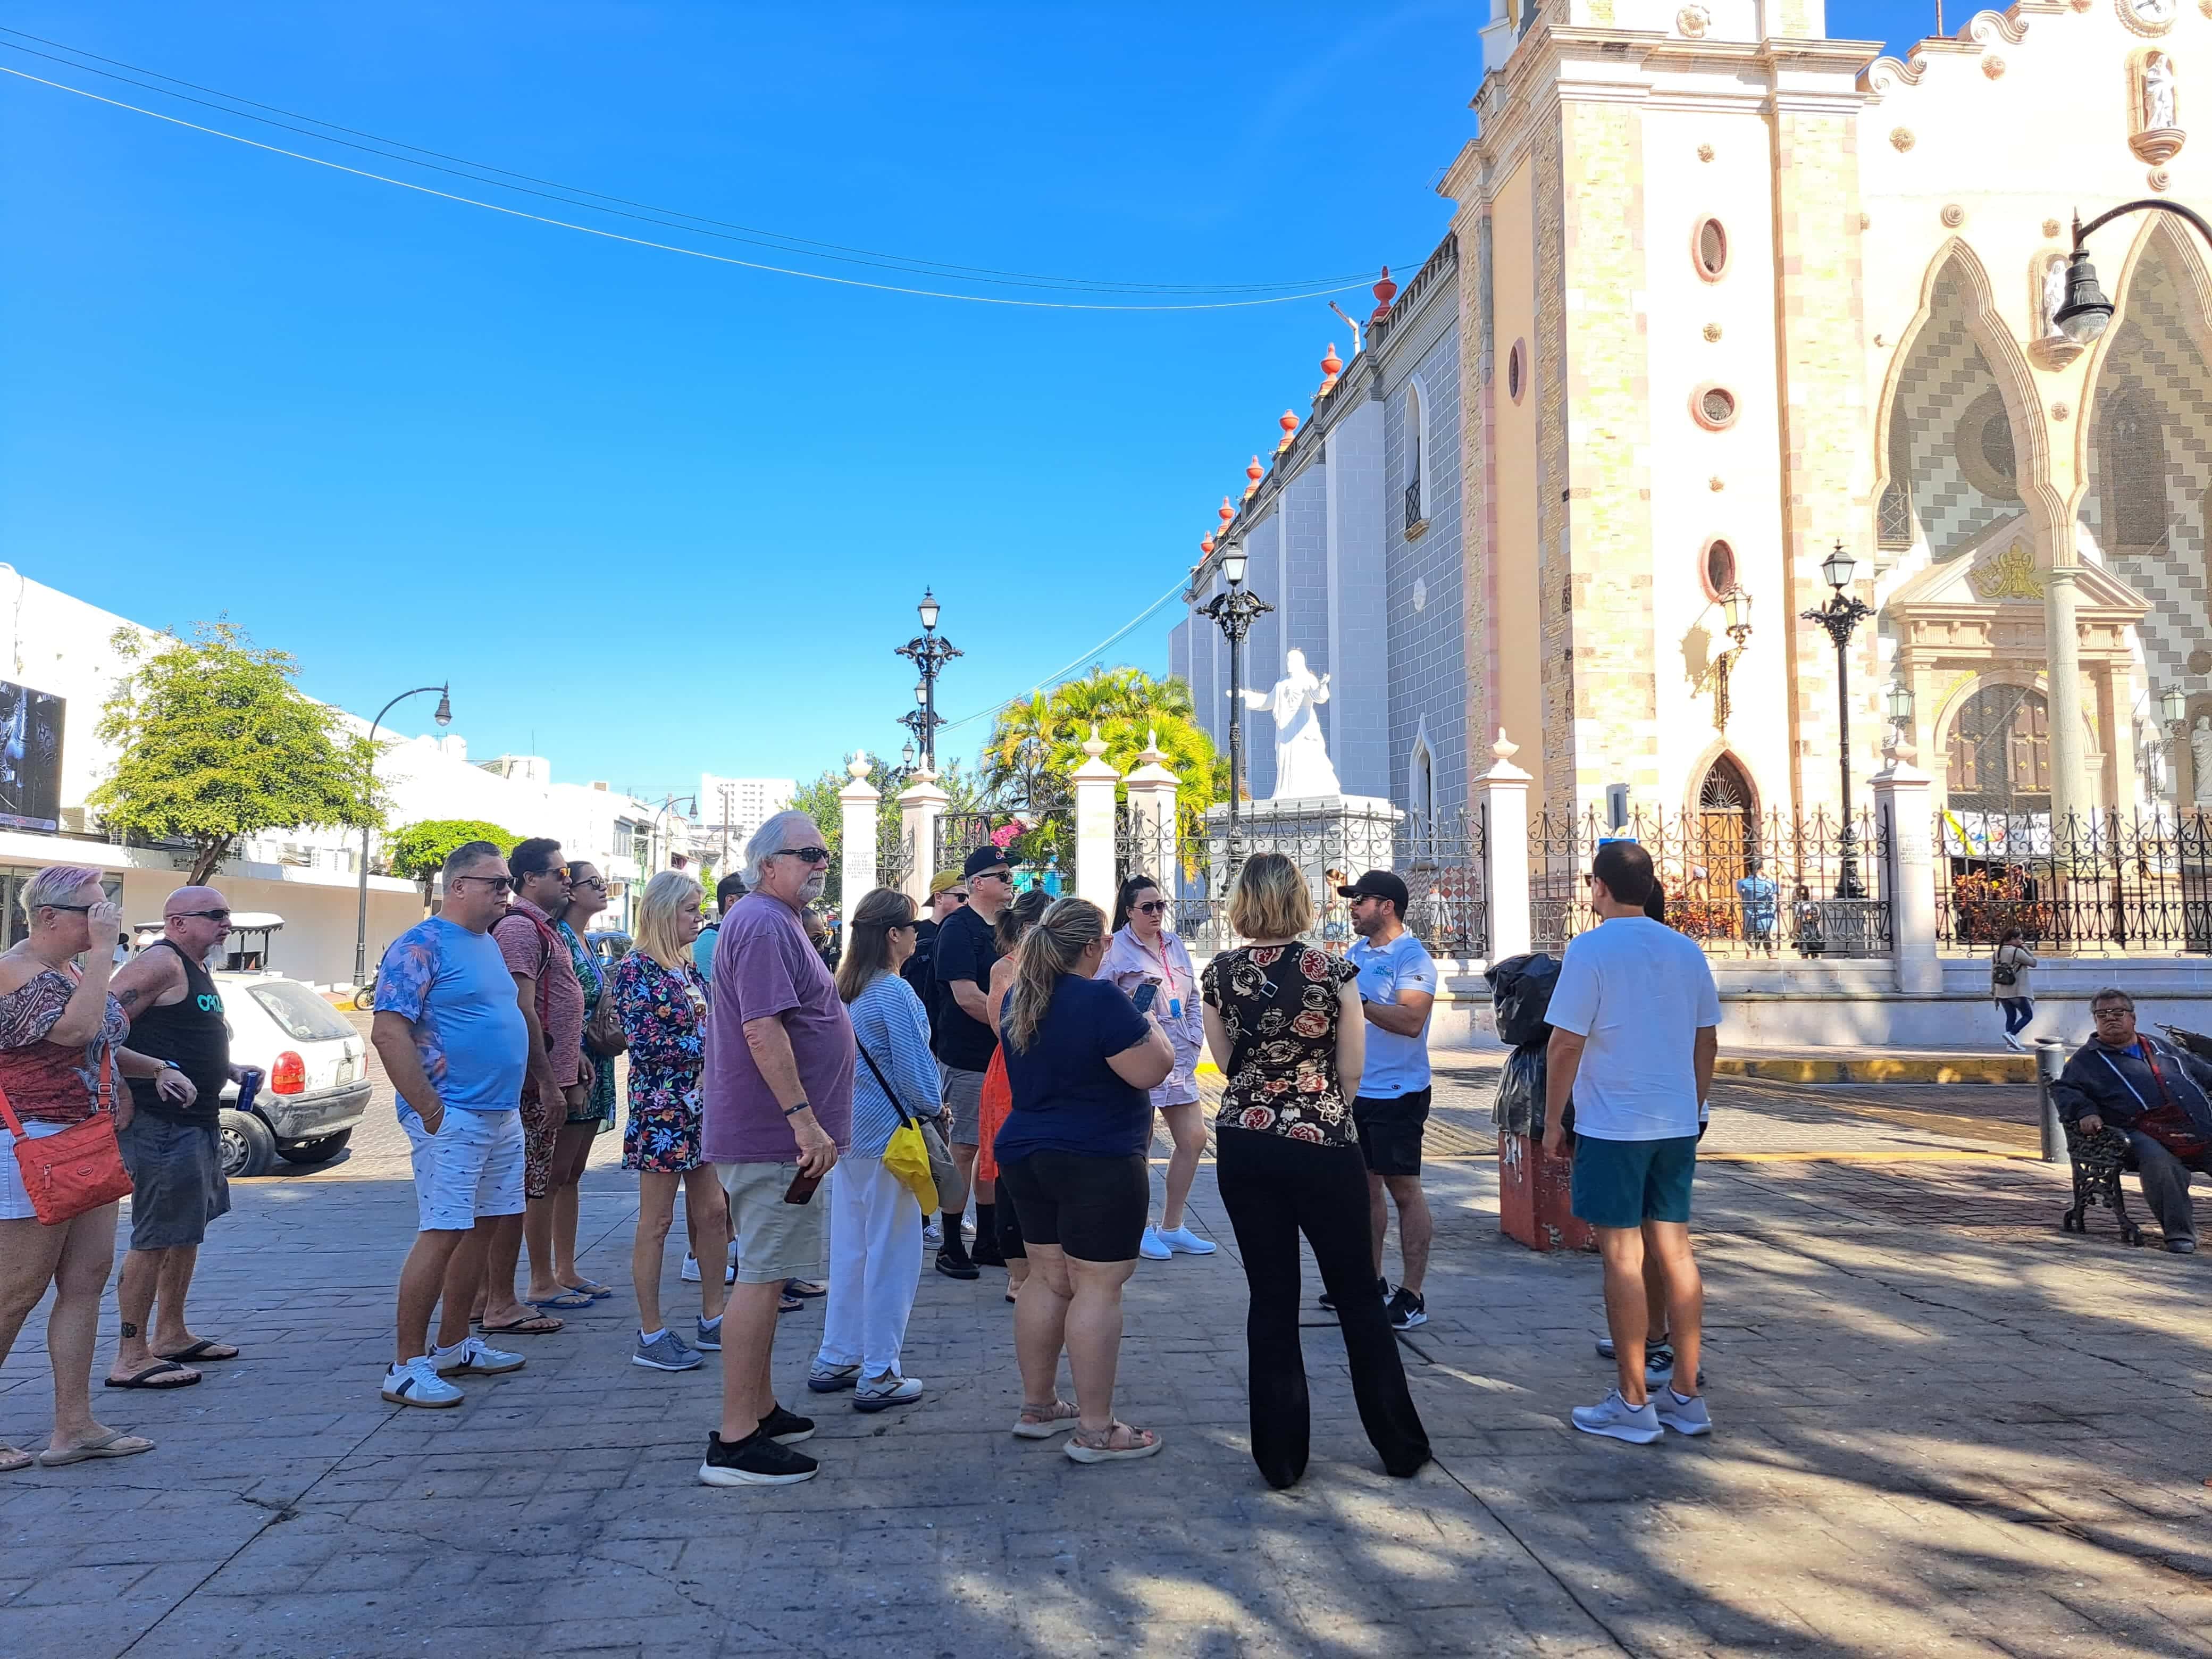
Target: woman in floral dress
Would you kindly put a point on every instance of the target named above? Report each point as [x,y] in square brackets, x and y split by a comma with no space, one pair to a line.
[1284,1025]
[663,1005]
[572,1147]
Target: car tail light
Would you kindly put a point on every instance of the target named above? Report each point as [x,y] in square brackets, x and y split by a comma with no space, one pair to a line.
[288,1076]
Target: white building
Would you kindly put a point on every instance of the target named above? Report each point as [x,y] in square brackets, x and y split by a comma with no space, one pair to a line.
[732,808]
[61,666]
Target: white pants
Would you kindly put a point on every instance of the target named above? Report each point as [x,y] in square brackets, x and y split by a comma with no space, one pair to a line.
[875,1265]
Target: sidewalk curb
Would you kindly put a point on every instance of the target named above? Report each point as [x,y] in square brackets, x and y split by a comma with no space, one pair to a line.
[1879,1068]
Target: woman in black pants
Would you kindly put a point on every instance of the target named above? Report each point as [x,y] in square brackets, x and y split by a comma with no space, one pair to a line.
[1284,1023]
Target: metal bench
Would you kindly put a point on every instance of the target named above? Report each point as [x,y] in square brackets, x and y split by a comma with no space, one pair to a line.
[2098,1161]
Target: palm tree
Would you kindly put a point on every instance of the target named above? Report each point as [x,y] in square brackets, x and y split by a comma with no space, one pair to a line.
[1036,742]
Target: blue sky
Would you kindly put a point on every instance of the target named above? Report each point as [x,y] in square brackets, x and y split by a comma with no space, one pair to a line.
[652,514]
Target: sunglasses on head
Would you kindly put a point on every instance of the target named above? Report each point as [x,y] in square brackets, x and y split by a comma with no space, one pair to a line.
[807,855]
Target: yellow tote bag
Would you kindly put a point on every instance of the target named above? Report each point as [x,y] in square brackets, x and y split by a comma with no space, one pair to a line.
[906,1154]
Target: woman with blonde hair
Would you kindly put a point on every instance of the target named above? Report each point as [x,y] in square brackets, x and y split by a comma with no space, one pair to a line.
[1014,922]
[61,1055]
[1080,1061]
[875,1221]
[663,1007]
[1284,1025]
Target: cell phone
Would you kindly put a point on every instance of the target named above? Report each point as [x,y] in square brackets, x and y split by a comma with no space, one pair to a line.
[249,1086]
[1143,996]
[801,1190]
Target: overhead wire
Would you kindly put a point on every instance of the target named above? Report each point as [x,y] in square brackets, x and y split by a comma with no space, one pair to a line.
[699,224]
[1060,673]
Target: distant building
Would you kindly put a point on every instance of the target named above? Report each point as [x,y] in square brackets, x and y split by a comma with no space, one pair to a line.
[732,808]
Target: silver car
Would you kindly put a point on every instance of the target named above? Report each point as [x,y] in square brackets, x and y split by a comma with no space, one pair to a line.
[314,1075]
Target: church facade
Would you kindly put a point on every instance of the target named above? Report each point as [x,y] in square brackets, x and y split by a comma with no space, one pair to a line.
[1720,294]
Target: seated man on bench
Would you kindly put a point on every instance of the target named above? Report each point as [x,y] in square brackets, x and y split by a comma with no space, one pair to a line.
[2153,1094]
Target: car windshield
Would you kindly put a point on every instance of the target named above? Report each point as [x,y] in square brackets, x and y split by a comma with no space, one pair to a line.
[304,1016]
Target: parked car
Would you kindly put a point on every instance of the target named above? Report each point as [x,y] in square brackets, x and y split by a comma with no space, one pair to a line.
[314,1068]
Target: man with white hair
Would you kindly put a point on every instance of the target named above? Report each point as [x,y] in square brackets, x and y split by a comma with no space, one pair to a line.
[778,1111]
[173,1152]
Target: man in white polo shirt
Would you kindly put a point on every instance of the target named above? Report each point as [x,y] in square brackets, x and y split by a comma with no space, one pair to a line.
[1635,1026]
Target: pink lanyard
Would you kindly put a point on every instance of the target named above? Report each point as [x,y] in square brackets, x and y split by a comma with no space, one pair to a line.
[1167,973]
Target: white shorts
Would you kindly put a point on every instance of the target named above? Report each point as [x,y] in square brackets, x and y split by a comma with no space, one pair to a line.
[15,1203]
[471,1168]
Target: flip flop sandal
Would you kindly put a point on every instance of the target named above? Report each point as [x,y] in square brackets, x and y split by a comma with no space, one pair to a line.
[568,1299]
[204,1349]
[1059,1418]
[13,1458]
[806,1287]
[115,1444]
[1084,1448]
[788,1304]
[591,1288]
[173,1375]
[531,1325]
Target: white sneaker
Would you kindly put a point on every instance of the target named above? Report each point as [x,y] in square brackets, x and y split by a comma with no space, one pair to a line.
[2014,1044]
[933,1236]
[1683,1416]
[1183,1241]
[1615,1418]
[881,1393]
[473,1353]
[417,1383]
[690,1269]
[1153,1247]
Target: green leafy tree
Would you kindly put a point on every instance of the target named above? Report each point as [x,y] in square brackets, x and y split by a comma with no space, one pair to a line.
[1038,742]
[217,743]
[419,851]
[819,800]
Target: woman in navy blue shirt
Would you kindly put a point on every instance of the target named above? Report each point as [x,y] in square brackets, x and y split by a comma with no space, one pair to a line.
[1080,1061]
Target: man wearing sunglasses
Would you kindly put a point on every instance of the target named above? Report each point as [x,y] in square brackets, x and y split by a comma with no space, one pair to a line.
[965,952]
[173,1152]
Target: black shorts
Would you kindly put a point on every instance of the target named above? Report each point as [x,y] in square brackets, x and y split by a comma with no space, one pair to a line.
[1006,1227]
[1390,1131]
[1092,1208]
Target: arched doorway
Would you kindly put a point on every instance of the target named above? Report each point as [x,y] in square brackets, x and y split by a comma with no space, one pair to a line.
[1726,829]
[1999,759]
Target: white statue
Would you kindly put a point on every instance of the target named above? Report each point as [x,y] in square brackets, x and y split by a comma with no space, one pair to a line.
[2054,295]
[2200,758]
[1302,762]
[2157,92]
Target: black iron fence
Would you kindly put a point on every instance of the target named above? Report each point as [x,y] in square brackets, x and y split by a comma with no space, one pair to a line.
[2108,881]
[893,851]
[1741,884]
[1040,846]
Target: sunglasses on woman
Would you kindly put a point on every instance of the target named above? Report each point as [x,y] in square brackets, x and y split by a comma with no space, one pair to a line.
[1151,907]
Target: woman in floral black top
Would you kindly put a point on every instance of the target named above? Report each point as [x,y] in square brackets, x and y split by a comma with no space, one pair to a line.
[1284,1023]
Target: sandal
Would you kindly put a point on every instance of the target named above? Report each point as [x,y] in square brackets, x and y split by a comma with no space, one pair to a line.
[205,1348]
[115,1443]
[13,1458]
[529,1325]
[1090,1446]
[1043,1422]
[789,1303]
[162,1374]
[566,1299]
[591,1288]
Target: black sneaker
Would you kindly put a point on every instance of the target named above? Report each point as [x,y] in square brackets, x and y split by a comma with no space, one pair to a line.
[955,1264]
[754,1461]
[1407,1310]
[1382,1291]
[786,1428]
[985,1254]
[1659,1365]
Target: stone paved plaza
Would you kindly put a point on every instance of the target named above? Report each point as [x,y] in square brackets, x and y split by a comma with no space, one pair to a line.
[1943,1428]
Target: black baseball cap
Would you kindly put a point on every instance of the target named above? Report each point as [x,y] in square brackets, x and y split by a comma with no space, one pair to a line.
[1378,883]
[984,857]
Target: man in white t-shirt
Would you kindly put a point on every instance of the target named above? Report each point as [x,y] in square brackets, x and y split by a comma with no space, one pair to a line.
[1635,1025]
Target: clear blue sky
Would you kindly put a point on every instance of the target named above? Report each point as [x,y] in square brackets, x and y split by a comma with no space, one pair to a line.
[652,514]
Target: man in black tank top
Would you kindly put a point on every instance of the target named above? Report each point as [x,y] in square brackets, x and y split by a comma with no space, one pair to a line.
[170,1146]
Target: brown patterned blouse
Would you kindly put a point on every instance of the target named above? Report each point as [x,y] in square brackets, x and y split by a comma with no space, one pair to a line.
[1279,1004]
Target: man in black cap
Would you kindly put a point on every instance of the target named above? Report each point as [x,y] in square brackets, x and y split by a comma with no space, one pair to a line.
[966,951]
[1397,988]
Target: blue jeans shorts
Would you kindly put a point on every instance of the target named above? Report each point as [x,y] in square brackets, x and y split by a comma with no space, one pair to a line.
[1625,1183]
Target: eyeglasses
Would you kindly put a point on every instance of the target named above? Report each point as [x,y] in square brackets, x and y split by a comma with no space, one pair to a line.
[958,894]
[993,875]
[1150,909]
[497,884]
[201,915]
[2110,1013]
[599,882]
[81,909]
[808,854]
[902,928]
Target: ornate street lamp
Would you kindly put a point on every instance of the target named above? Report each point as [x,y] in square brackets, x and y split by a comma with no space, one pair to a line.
[444,717]
[1735,622]
[1234,612]
[1841,616]
[1896,703]
[2087,313]
[930,652]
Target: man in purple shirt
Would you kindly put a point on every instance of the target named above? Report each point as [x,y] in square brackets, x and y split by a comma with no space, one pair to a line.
[777,1101]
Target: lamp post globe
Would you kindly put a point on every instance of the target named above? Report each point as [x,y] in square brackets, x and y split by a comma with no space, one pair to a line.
[1841,616]
[927,609]
[929,651]
[2087,313]
[1234,611]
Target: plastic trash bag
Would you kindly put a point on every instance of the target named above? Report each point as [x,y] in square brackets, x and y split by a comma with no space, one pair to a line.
[1519,1107]
[1521,995]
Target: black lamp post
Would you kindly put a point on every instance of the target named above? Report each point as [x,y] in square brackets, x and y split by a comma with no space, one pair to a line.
[2087,312]
[444,717]
[1234,612]
[1841,616]
[930,652]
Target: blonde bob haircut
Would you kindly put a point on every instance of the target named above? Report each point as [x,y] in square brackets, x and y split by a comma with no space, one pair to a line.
[668,896]
[1270,900]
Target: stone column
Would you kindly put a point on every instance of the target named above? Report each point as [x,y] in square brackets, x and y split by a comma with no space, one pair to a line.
[1501,795]
[921,804]
[1901,805]
[1153,789]
[2072,790]
[1096,876]
[859,799]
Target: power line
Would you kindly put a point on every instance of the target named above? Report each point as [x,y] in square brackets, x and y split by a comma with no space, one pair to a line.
[1060,673]
[568,194]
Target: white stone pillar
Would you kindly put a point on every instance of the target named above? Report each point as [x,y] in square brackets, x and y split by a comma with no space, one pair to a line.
[859,799]
[1153,789]
[921,804]
[1502,796]
[1096,878]
[2073,792]
[1902,808]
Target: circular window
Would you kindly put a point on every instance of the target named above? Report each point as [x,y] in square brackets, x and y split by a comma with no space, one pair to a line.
[1714,406]
[1516,370]
[1983,444]
[1720,568]
[1711,246]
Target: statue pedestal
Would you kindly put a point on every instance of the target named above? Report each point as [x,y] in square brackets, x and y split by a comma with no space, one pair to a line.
[1333,839]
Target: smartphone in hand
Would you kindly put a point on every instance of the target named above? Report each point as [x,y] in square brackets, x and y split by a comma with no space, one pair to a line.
[801,1188]
[1143,996]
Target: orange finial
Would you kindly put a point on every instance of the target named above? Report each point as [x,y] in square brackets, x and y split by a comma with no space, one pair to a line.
[1289,423]
[1255,469]
[1385,291]
[1206,544]
[1331,366]
[1227,511]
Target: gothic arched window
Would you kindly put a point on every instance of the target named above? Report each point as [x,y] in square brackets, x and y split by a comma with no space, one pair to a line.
[2132,471]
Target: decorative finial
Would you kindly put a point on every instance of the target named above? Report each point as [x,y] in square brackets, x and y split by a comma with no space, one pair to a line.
[1385,291]
[1288,422]
[1331,366]
[1206,544]
[1227,511]
[1094,745]
[1504,748]
[1253,470]
[859,764]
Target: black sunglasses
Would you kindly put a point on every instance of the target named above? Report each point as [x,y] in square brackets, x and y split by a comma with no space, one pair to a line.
[599,882]
[498,883]
[1151,907]
[201,915]
[81,909]
[808,854]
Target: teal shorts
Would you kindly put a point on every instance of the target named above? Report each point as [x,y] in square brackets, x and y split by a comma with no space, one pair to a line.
[1625,1183]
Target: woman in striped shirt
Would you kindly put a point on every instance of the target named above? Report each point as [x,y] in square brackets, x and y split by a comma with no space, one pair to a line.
[875,1224]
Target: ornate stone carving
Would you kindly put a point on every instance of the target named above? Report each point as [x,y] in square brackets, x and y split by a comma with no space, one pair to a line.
[1705,152]
[2159,179]
[2158,136]
[2061,411]
[2010,575]
[1954,215]
[1716,483]
[1993,66]
[2152,17]
[1901,137]
[1712,330]
[1693,21]
[2052,226]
